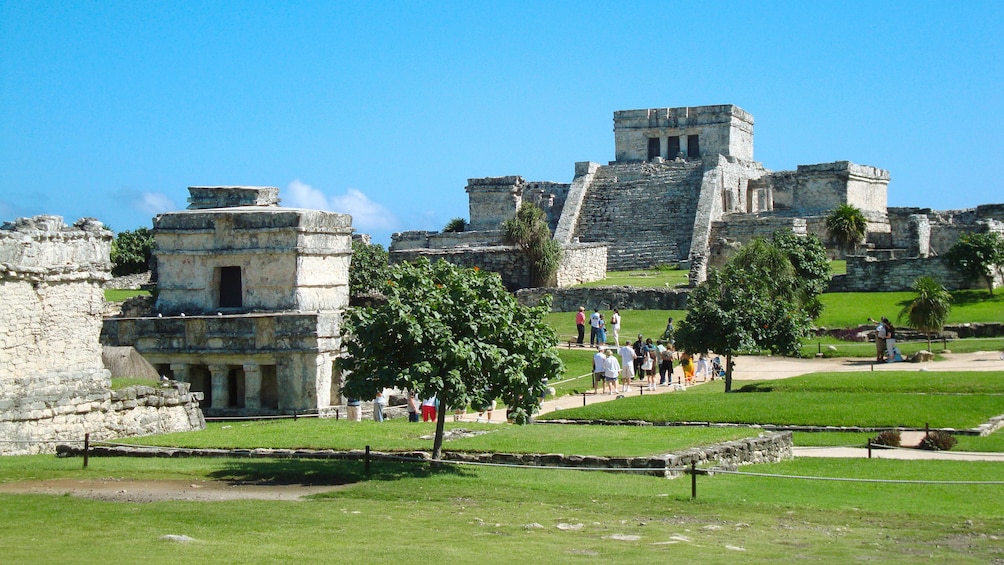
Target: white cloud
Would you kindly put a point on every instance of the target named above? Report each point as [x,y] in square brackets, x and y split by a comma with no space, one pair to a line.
[152,203]
[367,215]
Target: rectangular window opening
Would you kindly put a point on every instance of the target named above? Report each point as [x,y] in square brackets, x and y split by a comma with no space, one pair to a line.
[693,147]
[230,287]
[674,147]
[653,148]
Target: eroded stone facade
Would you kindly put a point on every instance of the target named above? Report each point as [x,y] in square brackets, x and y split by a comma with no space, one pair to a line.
[249,302]
[53,385]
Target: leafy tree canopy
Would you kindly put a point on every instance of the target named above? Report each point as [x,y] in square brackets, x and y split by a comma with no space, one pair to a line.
[368,268]
[528,230]
[847,226]
[131,251]
[748,305]
[812,270]
[453,332]
[978,255]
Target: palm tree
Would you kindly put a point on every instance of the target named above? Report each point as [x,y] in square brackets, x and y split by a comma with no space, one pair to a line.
[847,226]
[929,310]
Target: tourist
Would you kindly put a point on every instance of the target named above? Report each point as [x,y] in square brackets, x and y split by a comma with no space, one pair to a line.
[599,362]
[648,365]
[703,369]
[668,334]
[379,403]
[429,409]
[627,365]
[639,349]
[601,332]
[610,370]
[353,411]
[881,332]
[580,325]
[665,365]
[615,325]
[594,324]
[487,408]
[890,341]
[413,410]
[687,364]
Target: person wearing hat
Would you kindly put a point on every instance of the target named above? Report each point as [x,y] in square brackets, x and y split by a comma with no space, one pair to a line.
[580,325]
[610,371]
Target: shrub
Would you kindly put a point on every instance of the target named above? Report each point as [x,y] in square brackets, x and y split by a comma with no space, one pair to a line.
[889,438]
[456,225]
[938,441]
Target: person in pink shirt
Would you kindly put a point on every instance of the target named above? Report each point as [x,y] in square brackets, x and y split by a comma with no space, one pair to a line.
[580,325]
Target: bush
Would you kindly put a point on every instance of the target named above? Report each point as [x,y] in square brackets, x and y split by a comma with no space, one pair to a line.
[938,441]
[131,252]
[456,225]
[890,438]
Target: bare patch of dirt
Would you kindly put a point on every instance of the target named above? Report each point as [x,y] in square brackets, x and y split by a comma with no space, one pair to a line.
[129,490]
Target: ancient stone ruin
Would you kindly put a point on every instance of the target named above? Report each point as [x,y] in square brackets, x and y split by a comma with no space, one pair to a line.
[53,386]
[685,189]
[249,302]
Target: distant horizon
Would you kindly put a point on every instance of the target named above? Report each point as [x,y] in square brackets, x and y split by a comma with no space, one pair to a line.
[113,109]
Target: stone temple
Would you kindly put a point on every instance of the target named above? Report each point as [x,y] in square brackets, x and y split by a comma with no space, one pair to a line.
[249,302]
[684,188]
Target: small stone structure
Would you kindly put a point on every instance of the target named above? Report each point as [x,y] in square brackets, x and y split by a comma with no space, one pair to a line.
[249,302]
[53,386]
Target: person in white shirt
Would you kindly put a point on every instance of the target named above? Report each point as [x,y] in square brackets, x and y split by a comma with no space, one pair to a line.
[627,369]
[610,370]
[599,362]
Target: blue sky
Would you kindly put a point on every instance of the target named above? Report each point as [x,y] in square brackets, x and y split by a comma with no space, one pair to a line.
[384,110]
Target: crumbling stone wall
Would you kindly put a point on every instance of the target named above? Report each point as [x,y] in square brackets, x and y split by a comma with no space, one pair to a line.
[53,385]
[607,298]
[871,274]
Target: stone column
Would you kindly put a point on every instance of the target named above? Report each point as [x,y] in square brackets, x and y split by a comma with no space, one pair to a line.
[664,149]
[180,371]
[252,386]
[683,147]
[221,392]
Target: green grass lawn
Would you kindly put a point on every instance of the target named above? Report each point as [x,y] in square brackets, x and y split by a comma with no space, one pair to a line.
[993,443]
[650,323]
[851,309]
[950,400]
[121,295]
[645,278]
[468,513]
[394,435]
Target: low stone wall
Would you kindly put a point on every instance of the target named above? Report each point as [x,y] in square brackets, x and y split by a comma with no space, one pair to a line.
[868,274]
[38,413]
[767,448]
[607,298]
[582,263]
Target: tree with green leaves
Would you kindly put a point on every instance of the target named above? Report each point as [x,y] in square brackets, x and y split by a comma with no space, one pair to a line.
[743,307]
[456,225]
[131,251]
[812,270]
[452,332]
[928,311]
[528,230]
[847,226]
[978,255]
[368,267]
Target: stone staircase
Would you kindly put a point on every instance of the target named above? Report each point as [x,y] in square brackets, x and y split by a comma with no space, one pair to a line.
[644,210]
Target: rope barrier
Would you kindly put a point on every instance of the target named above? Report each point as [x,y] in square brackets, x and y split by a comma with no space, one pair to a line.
[850,480]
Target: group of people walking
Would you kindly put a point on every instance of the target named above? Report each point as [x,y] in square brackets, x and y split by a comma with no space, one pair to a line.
[598,327]
[651,363]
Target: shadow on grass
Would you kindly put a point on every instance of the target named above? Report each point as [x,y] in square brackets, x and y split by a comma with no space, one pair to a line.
[755,387]
[326,472]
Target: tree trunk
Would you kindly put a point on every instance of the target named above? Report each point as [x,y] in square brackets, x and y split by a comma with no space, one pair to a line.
[728,372]
[437,444]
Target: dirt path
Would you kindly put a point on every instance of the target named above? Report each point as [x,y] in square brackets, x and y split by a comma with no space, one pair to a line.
[127,490]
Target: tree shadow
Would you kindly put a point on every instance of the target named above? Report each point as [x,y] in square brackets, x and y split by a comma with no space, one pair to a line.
[755,387]
[323,472]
